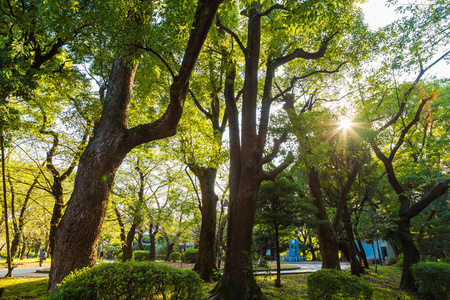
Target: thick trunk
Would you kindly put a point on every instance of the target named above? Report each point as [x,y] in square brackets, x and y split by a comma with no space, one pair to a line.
[205,263]
[15,243]
[78,232]
[24,248]
[79,228]
[410,254]
[238,281]
[57,192]
[169,250]
[356,267]
[329,243]
[127,248]
[152,233]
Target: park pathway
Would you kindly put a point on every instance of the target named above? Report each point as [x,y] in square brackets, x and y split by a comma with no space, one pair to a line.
[303,267]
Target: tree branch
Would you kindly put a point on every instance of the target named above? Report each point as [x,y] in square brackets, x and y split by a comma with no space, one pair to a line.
[426,200]
[300,53]
[280,168]
[199,106]
[160,58]
[272,8]
[231,33]
[275,150]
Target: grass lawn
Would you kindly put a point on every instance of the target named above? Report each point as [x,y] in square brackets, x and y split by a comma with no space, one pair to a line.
[385,282]
[24,287]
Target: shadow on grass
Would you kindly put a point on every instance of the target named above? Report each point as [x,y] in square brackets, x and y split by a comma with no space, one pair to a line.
[24,288]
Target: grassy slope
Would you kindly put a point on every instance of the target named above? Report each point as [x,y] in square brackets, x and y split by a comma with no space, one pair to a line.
[386,283]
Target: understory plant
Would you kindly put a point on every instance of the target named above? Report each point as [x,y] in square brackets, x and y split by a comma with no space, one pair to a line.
[432,278]
[130,280]
[333,284]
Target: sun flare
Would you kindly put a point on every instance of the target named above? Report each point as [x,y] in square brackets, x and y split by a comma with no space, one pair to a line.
[345,124]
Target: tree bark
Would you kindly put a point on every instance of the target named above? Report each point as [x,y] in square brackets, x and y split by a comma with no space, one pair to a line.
[329,243]
[205,263]
[152,234]
[277,245]
[78,232]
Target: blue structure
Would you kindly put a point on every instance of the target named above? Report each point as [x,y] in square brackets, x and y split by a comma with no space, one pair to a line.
[293,254]
[382,248]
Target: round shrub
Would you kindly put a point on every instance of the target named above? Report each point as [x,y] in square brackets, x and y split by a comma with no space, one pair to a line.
[432,278]
[334,284]
[130,280]
[190,256]
[174,256]
[140,255]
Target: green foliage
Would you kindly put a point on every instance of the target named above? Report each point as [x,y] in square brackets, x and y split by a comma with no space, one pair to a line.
[140,255]
[334,284]
[119,256]
[432,278]
[130,280]
[189,256]
[399,263]
[174,256]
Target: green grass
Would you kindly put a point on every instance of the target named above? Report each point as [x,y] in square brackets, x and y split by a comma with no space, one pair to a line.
[24,287]
[385,282]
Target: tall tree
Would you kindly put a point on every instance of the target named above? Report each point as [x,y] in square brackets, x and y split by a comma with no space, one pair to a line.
[113,139]
[203,152]
[298,32]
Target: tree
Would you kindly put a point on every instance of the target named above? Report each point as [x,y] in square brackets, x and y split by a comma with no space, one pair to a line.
[112,140]
[286,43]
[202,150]
[280,205]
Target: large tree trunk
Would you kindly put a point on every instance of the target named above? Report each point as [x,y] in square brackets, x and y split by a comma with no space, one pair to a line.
[329,243]
[355,264]
[24,248]
[127,248]
[410,254]
[169,250]
[238,281]
[57,192]
[205,263]
[78,232]
[15,243]
[152,233]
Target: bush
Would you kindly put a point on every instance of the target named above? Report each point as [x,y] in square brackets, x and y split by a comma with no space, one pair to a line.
[189,256]
[119,256]
[399,263]
[432,278]
[334,284]
[174,256]
[140,255]
[130,280]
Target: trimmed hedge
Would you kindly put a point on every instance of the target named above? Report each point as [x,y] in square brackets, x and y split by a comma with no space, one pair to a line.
[130,280]
[432,278]
[190,256]
[334,284]
[175,256]
[140,255]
